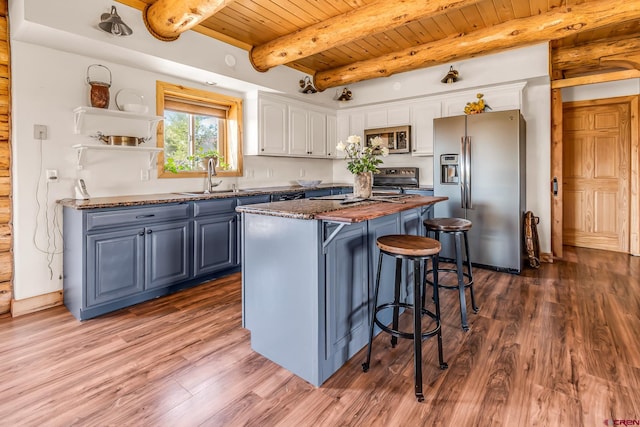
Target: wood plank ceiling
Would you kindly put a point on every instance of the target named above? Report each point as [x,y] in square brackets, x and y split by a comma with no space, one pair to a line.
[346,41]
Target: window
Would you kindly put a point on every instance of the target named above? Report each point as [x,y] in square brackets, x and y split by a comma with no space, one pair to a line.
[197,125]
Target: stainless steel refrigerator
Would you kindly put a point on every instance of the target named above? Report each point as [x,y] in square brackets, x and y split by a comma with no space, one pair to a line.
[479,164]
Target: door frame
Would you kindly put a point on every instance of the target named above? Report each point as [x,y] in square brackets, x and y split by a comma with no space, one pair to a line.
[556,167]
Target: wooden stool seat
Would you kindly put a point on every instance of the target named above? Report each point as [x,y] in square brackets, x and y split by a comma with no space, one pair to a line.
[408,245]
[448,224]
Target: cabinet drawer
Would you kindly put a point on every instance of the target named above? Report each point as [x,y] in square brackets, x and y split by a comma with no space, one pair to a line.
[210,207]
[132,216]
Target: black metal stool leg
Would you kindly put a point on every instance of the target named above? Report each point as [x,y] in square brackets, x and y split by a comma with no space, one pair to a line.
[396,300]
[365,365]
[461,285]
[417,330]
[473,298]
[436,298]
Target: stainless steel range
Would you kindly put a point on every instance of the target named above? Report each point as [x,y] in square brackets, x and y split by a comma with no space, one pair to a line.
[396,178]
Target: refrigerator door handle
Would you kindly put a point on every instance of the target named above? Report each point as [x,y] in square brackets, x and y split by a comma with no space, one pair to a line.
[463,198]
[467,180]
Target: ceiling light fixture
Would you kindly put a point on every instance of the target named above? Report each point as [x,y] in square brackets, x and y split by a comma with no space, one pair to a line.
[112,23]
[307,86]
[451,77]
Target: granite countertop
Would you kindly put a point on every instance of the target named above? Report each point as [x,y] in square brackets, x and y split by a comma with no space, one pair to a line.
[184,196]
[334,210]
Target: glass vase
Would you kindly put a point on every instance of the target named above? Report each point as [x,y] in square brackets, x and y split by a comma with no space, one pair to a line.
[362,185]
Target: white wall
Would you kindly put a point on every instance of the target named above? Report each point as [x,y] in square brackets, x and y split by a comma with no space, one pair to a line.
[51,50]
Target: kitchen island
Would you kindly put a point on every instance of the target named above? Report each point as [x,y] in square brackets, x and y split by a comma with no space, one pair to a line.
[308,270]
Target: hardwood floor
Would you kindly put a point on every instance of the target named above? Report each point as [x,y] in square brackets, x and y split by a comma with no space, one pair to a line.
[554,346]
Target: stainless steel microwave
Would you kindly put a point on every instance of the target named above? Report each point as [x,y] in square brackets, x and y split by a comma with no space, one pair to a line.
[397,139]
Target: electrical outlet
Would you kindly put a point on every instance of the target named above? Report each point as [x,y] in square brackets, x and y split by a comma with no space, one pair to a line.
[52,175]
[40,132]
[144,174]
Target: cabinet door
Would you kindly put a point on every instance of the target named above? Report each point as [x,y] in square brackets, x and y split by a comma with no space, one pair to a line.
[346,275]
[273,127]
[356,124]
[215,243]
[298,131]
[332,135]
[398,115]
[317,145]
[168,254]
[422,130]
[115,265]
[376,118]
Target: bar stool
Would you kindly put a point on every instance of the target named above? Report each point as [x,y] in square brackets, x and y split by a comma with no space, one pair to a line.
[457,227]
[416,249]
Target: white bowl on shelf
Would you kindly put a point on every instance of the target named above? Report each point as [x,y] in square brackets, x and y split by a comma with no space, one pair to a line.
[135,108]
[309,183]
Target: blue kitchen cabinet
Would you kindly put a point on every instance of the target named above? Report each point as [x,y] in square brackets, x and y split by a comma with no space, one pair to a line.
[346,295]
[167,250]
[115,265]
[215,236]
[114,258]
[341,190]
[215,239]
[317,193]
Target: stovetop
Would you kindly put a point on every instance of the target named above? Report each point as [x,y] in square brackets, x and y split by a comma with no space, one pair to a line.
[400,177]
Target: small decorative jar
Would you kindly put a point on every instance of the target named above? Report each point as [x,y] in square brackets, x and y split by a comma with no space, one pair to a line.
[99,95]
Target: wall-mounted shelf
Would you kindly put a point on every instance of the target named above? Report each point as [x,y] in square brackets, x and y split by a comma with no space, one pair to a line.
[105,116]
[82,149]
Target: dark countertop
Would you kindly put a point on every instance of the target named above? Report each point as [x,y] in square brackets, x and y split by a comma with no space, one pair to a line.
[333,210]
[184,196]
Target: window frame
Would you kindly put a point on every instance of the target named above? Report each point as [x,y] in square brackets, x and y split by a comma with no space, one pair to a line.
[233,120]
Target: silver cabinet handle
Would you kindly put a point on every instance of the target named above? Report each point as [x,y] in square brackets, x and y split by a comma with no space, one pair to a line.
[461,173]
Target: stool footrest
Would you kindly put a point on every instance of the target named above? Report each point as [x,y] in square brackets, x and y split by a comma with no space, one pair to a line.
[401,334]
[468,283]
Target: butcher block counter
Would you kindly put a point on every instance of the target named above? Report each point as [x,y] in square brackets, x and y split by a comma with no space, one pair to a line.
[308,271]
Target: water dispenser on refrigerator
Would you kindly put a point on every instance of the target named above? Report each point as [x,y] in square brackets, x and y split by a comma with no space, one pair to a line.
[449,169]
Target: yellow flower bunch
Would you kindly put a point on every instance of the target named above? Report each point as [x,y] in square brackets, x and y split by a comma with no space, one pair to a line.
[476,107]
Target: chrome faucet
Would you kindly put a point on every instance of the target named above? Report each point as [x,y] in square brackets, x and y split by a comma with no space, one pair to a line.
[211,172]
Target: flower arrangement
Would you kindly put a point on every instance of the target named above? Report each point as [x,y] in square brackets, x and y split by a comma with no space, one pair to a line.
[363,158]
[477,106]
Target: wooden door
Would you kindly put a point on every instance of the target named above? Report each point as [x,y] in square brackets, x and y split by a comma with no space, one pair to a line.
[596,176]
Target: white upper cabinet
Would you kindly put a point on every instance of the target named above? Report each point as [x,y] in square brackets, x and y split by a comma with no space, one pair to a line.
[387,115]
[499,98]
[294,129]
[422,114]
[332,135]
[273,118]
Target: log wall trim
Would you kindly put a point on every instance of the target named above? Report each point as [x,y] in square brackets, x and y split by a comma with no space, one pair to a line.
[6,226]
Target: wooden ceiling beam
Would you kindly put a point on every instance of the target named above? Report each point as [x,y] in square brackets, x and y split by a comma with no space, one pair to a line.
[555,24]
[596,78]
[589,54]
[167,19]
[630,60]
[374,18]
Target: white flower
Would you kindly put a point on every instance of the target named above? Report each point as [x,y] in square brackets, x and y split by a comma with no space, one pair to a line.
[353,139]
[376,142]
[341,146]
[384,151]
